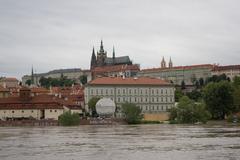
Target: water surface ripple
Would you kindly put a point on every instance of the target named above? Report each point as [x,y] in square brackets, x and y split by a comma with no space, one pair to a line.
[140,142]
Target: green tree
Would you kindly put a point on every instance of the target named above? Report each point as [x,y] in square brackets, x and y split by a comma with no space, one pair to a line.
[236,81]
[178,94]
[183,85]
[201,82]
[195,95]
[83,79]
[69,119]
[187,111]
[92,105]
[28,82]
[219,99]
[133,114]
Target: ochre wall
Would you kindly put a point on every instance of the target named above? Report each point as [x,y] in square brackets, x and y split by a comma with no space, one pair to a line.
[156,116]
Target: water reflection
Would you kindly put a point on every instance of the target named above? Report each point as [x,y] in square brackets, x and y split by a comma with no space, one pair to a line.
[121,142]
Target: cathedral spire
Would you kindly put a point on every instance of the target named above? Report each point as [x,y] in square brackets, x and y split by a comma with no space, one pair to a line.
[113,52]
[101,46]
[163,63]
[32,76]
[93,59]
[170,64]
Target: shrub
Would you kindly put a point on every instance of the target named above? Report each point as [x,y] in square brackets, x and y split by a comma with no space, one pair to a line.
[69,119]
[132,113]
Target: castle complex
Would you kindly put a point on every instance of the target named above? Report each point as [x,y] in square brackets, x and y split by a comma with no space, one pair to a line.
[102,60]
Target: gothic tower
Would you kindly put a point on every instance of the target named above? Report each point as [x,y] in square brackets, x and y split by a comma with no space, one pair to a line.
[163,63]
[170,64]
[101,55]
[113,56]
[93,60]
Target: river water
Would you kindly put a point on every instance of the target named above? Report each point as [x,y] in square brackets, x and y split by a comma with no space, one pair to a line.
[140,142]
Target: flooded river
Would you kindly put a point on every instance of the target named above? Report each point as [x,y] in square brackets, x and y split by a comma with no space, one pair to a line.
[143,142]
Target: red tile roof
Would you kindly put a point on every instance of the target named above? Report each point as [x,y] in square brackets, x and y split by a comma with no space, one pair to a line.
[229,67]
[2,89]
[128,81]
[210,66]
[10,79]
[116,68]
[36,102]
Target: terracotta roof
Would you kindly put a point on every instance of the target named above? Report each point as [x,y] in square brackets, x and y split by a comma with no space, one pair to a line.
[2,89]
[9,79]
[179,68]
[128,81]
[36,102]
[116,68]
[229,67]
[40,90]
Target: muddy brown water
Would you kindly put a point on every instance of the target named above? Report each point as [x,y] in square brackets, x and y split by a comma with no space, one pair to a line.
[123,142]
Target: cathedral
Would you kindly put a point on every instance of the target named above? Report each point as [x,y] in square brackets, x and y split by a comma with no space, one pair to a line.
[102,60]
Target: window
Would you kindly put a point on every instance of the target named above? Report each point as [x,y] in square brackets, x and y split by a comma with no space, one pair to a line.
[55,110]
[140,91]
[135,99]
[123,91]
[152,99]
[22,111]
[157,91]
[152,91]
[135,91]
[118,91]
[32,111]
[106,91]
[130,92]
[101,91]
[161,99]
[50,110]
[157,107]
[146,99]
[123,99]
[111,91]
[157,99]
[161,91]
[118,99]
[91,91]
[146,108]
[141,99]
[12,111]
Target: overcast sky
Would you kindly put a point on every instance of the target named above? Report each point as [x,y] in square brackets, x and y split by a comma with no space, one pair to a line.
[54,34]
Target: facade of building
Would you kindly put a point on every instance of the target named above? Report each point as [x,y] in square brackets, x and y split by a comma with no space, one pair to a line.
[73,74]
[178,74]
[115,71]
[9,82]
[230,71]
[103,60]
[4,92]
[150,94]
[29,106]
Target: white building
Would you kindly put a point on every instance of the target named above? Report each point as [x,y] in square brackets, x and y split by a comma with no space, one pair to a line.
[230,71]
[150,94]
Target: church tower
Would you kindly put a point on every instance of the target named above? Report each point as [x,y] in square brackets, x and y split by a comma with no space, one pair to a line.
[170,64]
[93,60]
[101,55]
[163,63]
[113,56]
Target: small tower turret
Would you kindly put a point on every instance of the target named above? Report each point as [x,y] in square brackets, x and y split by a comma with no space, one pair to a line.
[163,63]
[170,64]
[93,60]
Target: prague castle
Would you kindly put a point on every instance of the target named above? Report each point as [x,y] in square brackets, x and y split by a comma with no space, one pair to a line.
[102,60]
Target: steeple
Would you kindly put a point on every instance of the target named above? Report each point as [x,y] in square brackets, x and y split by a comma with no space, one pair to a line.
[101,47]
[170,64]
[93,59]
[32,76]
[163,63]
[113,53]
